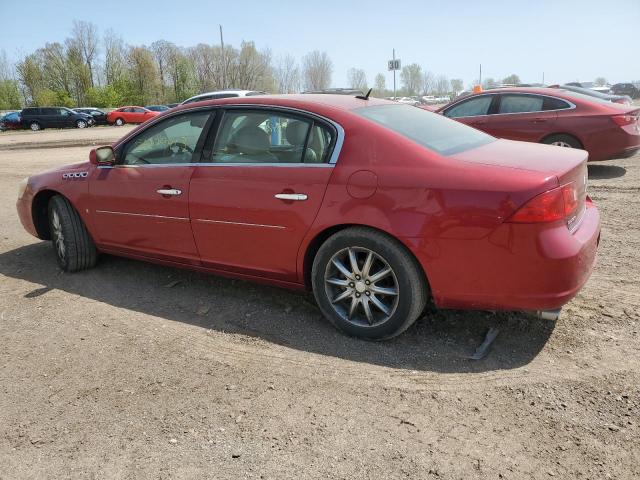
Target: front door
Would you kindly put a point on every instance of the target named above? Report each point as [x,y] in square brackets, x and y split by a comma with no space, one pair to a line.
[141,204]
[259,189]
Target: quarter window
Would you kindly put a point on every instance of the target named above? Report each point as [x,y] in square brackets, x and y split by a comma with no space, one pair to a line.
[470,108]
[173,140]
[270,137]
[520,103]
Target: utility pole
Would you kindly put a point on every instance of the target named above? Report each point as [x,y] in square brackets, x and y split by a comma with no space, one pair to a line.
[394,73]
[480,78]
[224,61]
[543,79]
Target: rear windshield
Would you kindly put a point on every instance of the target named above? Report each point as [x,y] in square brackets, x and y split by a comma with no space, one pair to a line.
[437,133]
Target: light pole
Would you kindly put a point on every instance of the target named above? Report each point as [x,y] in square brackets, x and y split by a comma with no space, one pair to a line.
[224,61]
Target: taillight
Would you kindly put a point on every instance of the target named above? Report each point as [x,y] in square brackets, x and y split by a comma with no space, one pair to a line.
[549,206]
[623,120]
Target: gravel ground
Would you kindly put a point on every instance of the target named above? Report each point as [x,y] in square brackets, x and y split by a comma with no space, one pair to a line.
[135,371]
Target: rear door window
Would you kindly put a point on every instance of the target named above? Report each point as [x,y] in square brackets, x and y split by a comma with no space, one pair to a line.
[520,103]
[470,108]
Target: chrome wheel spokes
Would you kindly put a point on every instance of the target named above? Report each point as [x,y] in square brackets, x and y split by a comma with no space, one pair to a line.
[361,286]
[58,236]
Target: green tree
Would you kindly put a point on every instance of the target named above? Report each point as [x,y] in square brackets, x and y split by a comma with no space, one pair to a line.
[9,95]
[512,79]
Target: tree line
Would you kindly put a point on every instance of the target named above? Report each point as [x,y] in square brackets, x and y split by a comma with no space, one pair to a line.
[87,69]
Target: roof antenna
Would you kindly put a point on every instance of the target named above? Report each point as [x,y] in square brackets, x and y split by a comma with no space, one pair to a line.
[366,97]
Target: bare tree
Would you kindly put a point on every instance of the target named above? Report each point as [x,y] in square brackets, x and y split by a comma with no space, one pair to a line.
[250,69]
[85,36]
[600,82]
[512,79]
[357,79]
[287,75]
[428,79]
[115,56]
[411,77]
[380,85]
[457,85]
[316,70]
[442,85]
[161,49]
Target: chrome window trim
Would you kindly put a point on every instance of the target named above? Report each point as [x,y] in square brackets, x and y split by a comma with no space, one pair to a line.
[333,159]
[234,164]
[571,104]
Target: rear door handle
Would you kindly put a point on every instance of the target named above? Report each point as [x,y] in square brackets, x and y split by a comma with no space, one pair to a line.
[169,191]
[291,196]
[539,120]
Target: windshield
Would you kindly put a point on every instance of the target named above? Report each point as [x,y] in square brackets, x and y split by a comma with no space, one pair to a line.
[437,133]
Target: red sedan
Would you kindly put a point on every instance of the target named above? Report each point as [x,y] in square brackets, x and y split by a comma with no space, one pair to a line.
[124,115]
[375,206]
[554,116]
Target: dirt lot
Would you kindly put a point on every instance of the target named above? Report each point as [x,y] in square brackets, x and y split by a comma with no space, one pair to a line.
[136,371]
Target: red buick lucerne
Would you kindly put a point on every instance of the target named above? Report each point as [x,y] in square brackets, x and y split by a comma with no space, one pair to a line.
[375,206]
[554,116]
[124,115]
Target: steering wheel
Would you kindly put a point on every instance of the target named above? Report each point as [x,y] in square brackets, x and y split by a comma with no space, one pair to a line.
[179,147]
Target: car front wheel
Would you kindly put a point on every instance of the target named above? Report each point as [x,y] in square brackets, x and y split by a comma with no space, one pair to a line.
[72,243]
[119,122]
[35,126]
[81,124]
[367,284]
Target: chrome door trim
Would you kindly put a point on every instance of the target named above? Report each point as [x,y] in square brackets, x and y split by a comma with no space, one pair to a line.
[232,164]
[142,215]
[243,224]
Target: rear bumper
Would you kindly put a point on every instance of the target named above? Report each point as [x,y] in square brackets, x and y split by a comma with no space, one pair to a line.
[517,267]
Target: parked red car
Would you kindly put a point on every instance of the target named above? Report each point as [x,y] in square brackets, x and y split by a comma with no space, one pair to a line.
[375,206]
[554,116]
[124,115]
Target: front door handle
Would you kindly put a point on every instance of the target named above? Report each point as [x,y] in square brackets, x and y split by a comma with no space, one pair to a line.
[169,191]
[539,120]
[291,196]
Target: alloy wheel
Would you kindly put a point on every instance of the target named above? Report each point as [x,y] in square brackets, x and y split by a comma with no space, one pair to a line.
[58,236]
[361,286]
[560,143]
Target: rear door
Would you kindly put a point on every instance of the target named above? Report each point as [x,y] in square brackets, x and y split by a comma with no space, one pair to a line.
[259,188]
[522,116]
[473,111]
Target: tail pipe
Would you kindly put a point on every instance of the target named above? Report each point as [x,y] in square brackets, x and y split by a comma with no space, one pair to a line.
[548,314]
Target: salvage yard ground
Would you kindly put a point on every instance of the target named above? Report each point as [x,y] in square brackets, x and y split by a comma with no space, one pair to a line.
[133,370]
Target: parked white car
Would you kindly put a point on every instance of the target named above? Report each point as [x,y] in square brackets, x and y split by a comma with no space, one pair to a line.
[222,94]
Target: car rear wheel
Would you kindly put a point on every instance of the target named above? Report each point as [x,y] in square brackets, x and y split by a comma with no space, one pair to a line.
[72,243]
[35,126]
[566,141]
[367,284]
[119,122]
[81,124]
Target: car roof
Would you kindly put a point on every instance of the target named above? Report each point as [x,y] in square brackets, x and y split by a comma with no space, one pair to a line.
[299,100]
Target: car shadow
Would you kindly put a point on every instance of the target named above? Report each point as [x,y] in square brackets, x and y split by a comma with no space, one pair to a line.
[441,341]
[603,172]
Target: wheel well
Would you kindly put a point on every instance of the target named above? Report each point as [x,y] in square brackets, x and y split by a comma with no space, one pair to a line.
[565,134]
[40,213]
[321,237]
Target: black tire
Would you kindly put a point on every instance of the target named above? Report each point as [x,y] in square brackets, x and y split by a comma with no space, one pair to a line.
[78,252]
[35,126]
[409,281]
[566,141]
[119,122]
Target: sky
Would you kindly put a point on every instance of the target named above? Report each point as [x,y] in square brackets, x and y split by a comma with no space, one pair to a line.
[567,40]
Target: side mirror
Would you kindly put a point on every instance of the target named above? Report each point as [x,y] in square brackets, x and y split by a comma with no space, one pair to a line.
[102,156]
